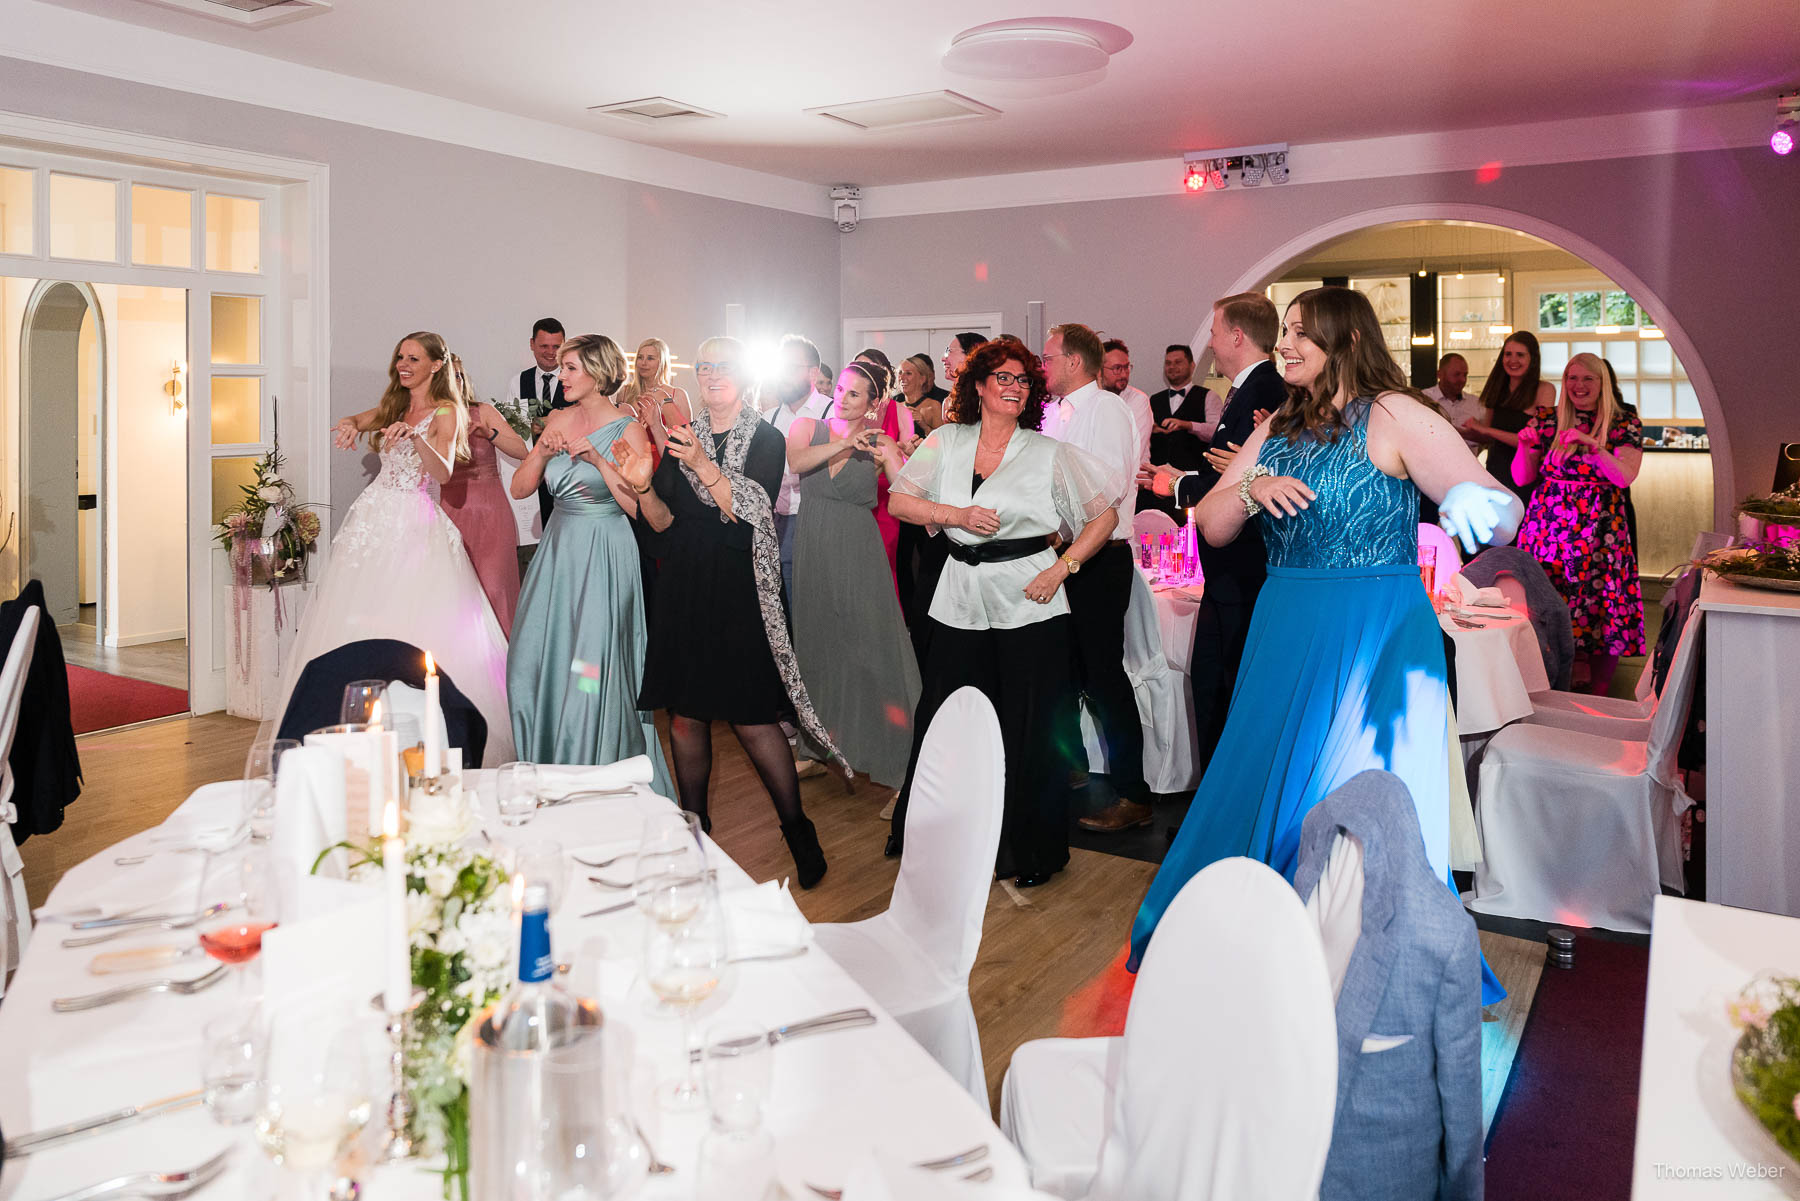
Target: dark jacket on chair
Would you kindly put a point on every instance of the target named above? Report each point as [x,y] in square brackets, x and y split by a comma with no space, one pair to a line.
[1549,611]
[318,699]
[46,768]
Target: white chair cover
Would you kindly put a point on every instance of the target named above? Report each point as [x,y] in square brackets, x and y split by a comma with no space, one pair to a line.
[1165,700]
[14,906]
[1580,828]
[915,957]
[1449,559]
[1154,522]
[1225,1081]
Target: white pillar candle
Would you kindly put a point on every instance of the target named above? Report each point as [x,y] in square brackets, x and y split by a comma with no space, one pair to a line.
[434,753]
[397,991]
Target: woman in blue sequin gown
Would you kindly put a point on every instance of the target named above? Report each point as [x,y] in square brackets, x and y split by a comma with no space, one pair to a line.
[1344,668]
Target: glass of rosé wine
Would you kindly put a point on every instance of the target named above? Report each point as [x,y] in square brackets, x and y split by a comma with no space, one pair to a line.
[240,900]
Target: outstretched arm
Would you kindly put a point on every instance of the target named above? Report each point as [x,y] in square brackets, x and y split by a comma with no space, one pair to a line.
[1408,440]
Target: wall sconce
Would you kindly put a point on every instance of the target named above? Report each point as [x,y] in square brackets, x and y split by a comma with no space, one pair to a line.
[173,389]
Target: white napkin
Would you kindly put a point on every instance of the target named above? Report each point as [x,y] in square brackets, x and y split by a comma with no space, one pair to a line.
[881,1177]
[559,781]
[211,819]
[1465,593]
[309,815]
[764,920]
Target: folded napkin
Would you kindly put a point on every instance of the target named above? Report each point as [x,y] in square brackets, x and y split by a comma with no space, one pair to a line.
[309,815]
[878,1176]
[211,819]
[557,782]
[1465,593]
[764,920]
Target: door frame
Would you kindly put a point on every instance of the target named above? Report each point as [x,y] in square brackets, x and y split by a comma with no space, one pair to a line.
[852,327]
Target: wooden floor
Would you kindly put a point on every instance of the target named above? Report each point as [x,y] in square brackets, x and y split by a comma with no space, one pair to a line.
[164,663]
[1051,958]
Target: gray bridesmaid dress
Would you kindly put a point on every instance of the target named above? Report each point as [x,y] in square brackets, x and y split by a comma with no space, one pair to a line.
[577,652]
[849,638]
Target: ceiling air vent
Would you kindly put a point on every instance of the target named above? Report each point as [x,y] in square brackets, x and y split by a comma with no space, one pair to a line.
[248,14]
[653,108]
[902,112]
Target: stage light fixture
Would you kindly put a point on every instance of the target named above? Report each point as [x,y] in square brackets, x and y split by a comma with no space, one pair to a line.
[1195,179]
[1787,124]
[1277,166]
[1217,174]
[1254,167]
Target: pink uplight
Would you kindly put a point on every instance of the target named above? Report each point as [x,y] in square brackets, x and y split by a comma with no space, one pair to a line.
[1782,141]
[981,270]
[1488,172]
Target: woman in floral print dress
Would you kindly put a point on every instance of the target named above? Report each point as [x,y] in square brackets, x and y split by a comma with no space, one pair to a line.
[1583,454]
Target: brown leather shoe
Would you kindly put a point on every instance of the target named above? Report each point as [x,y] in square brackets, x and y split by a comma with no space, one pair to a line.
[1120,815]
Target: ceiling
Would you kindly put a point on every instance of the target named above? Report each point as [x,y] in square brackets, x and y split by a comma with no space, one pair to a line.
[1443,246]
[1197,76]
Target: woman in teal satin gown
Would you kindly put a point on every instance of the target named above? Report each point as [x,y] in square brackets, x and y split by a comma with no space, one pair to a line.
[1344,668]
[577,654]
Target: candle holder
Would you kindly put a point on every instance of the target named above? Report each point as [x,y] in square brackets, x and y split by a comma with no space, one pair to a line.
[396,1143]
[433,785]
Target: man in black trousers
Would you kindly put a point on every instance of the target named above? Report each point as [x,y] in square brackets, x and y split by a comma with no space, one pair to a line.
[1244,328]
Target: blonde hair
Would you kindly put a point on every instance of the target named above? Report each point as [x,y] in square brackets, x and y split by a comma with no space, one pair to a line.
[1606,407]
[600,360]
[397,399]
[665,372]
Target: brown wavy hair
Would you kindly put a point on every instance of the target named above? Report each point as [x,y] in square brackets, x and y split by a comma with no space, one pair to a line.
[397,400]
[983,361]
[1498,392]
[1342,323]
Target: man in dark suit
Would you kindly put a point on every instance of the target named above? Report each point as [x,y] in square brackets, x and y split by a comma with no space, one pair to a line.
[1244,328]
[1181,425]
[540,389]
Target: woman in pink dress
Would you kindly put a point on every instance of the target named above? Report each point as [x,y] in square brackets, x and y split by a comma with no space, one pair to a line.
[475,499]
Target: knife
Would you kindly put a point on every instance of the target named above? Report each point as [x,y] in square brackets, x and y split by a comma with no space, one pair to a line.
[128,919]
[843,1019]
[26,1144]
[108,962]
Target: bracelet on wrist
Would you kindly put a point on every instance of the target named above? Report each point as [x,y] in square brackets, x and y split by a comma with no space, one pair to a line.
[1251,508]
[641,491]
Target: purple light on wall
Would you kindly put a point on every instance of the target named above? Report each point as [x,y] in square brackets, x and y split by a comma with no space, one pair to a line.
[1782,140]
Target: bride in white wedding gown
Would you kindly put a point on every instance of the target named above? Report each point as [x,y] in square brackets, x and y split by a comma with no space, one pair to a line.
[398,567]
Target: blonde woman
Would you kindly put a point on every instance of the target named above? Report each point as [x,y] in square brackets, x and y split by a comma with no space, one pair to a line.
[1582,455]
[650,396]
[578,654]
[399,568]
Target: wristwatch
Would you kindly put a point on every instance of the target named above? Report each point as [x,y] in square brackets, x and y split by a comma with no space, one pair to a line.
[1072,563]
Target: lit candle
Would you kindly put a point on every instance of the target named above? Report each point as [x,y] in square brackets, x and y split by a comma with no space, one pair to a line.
[398,990]
[434,753]
[381,768]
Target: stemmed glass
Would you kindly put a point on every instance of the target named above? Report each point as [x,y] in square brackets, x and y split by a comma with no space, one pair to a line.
[670,882]
[308,1121]
[684,964]
[242,879]
[541,861]
[360,699]
[261,767]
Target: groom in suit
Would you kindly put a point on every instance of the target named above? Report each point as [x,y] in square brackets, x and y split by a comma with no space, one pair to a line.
[1244,328]
[540,389]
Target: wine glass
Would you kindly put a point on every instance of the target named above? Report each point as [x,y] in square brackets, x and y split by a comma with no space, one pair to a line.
[241,881]
[541,861]
[261,767]
[310,1118]
[670,881]
[360,699]
[684,964]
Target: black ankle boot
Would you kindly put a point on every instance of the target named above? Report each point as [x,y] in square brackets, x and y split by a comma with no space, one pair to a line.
[803,844]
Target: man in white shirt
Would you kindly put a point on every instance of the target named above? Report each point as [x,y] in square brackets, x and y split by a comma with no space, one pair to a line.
[795,396]
[1099,591]
[1115,377]
[1458,406]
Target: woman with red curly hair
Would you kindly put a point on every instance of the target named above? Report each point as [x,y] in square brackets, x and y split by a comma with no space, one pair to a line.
[999,617]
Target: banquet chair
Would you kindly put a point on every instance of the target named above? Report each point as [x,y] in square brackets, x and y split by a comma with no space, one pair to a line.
[1225,1080]
[915,957]
[1580,828]
[1153,522]
[1545,606]
[13,903]
[1449,558]
[318,696]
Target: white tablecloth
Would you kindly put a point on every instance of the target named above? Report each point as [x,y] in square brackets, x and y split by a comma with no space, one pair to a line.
[1498,667]
[61,1067]
[1694,1139]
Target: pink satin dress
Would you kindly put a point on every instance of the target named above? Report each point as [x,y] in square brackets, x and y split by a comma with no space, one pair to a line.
[475,499]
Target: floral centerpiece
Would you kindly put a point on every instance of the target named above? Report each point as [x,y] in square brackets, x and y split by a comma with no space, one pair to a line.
[1777,508]
[1765,1063]
[269,525]
[459,912]
[1769,566]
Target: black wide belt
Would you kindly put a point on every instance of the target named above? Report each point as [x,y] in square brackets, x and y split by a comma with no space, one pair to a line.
[997,550]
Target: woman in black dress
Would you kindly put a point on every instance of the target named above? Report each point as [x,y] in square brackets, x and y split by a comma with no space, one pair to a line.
[718,643]
[1514,390]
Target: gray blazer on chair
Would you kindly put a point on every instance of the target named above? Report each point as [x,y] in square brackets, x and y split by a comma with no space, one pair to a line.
[1408,1124]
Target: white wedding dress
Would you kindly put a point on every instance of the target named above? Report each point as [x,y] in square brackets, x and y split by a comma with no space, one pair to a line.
[399,570]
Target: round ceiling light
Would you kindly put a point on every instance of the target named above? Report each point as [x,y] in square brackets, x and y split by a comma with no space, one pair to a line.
[1035,48]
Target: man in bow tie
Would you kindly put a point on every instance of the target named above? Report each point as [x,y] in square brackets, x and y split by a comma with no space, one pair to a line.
[1183,417]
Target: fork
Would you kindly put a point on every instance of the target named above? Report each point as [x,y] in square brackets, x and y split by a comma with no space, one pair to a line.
[603,862]
[656,1167]
[153,1184]
[712,873]
[97,999]
[960,1160]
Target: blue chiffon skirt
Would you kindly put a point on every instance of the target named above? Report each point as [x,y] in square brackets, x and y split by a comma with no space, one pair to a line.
[1343,671]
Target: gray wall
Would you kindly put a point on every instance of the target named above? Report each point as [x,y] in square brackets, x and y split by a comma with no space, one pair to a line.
[1715,236]
[425,235]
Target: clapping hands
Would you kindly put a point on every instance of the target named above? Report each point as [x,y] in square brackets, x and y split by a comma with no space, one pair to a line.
[632,466]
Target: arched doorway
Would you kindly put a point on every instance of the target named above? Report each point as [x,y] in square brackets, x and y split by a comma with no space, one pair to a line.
[1275,263]
[62,360]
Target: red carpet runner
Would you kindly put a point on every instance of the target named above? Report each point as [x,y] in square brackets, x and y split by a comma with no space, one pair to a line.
[98,701]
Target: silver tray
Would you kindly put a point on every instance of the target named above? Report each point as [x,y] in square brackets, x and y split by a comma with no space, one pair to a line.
[1768,583]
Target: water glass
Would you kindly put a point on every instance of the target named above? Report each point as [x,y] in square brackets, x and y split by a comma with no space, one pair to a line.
[1428,569]
[541,861]
[516,792]
[360,699]
[591,1145]
[234,1064]
[737,1156]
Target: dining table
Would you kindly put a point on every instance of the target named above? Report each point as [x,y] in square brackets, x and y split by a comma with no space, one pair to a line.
[835,1097]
